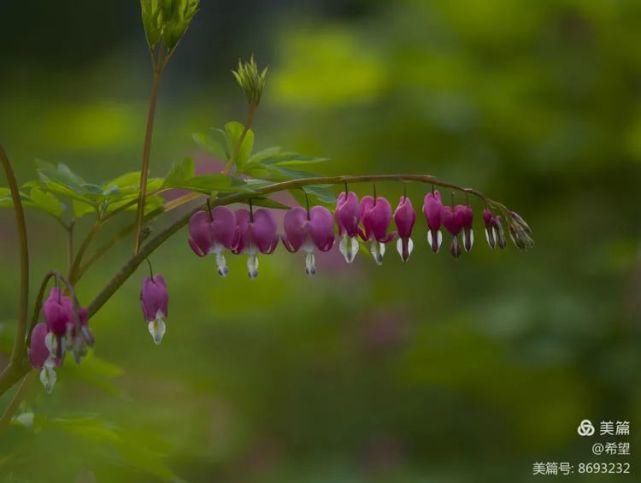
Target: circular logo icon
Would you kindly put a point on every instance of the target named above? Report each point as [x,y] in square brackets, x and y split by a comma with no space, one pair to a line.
[585,428]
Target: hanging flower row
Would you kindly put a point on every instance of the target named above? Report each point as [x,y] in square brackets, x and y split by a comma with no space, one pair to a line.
[212,232]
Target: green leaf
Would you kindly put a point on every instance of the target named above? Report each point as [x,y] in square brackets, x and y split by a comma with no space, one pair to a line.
[81,209]
[179,173]
[138,450]
[46,202]
[234,130]
[207,142]
[269,203]
[62,181]
[290,159]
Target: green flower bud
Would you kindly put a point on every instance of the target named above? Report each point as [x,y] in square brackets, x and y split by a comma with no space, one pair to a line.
[250,80]
[166,21]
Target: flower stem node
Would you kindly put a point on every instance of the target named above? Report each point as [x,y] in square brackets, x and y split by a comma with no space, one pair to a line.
[154,300]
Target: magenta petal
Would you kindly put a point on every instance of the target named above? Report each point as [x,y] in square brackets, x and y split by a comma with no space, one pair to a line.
[451,221]
[348,213]
[321,227]
[433,210]
[242,237]
[223,226]
[295,226]
[465,215]
[58,311]
[404,217]
[38,351]
[376,216]
[200,238]
[264,231]
[154,297]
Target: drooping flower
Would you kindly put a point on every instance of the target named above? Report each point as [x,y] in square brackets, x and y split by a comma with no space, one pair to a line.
[520,231]
[493,229]
[466,219]
[404,217]
[42,355]
[213,232]
[255,232]
[308,230]
[433,211]
[154,300]
[348,216]
[58,312]
[452,223]
[81,337]
[376,215]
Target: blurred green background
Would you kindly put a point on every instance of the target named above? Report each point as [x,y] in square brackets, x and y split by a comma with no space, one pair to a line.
[440,370]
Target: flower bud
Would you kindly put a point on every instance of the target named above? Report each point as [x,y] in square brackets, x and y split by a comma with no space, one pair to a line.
[251,80]
[154,300]
[348,215]
[433,211]
[376,215]
[255,232]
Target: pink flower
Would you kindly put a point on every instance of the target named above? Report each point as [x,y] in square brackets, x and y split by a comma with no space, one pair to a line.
[213,232]
[404,217]
[308,230]
[376,215]
[255,232]
[154,300]
[58,312]
[42,355]
[493,229]
[452,223]
[348,215]
[466,219]
[433,211]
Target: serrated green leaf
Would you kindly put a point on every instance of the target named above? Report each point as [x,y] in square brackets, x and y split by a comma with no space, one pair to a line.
[97,372]
[81,209]
[46,202]
[234,130]
[180,172]
[207,142]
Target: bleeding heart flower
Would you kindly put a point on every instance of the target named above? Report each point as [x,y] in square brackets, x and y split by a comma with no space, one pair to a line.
[376,215]
[154,300]
[404,217]
[493,229]
[58,312]
[466,219]
[348,216]
[42,355]
[213,232]
[433,211]
[308,230]
[452,223]
[255,232]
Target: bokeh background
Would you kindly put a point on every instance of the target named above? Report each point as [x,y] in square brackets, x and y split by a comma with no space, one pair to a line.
[440,370]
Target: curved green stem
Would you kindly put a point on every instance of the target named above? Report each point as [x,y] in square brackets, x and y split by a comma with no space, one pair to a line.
[146,152]
[125,272]
[18,344]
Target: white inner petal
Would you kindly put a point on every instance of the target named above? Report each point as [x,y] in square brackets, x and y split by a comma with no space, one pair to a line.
[221,263]
[252,264]
[378,250]
[310,263]
[157,329]
[48,378]
[348,248]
